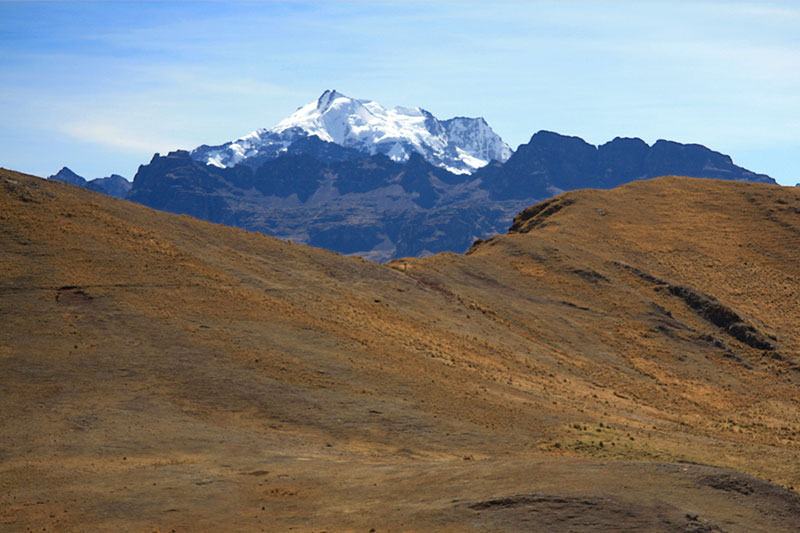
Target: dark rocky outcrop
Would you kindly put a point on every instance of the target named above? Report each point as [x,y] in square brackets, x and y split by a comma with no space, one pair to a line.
[323,150]
[619,160]
[711,310]
[319,193]
[551,163]
[535,215]
[179,184]
[368,205]
[722,316]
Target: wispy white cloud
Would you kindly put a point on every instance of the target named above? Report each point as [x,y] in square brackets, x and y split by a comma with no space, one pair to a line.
[118,137]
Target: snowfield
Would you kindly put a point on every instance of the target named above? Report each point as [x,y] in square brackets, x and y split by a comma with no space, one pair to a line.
[460,145]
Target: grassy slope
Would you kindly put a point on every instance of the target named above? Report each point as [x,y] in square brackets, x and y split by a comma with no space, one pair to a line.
[200,377]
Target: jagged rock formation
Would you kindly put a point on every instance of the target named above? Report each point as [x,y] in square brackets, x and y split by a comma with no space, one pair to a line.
[552,163]
[371,206]
[323,194]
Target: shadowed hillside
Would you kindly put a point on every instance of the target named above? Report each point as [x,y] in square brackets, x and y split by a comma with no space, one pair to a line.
[625,356]
[322,194]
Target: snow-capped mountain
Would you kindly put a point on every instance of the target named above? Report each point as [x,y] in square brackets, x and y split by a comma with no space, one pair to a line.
[460,145]
[322,194]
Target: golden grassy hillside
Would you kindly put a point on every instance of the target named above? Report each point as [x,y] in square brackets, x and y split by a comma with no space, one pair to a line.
[162,373]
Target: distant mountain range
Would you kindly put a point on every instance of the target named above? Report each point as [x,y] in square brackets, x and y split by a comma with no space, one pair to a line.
[551,163]
[113,185]
[356,178]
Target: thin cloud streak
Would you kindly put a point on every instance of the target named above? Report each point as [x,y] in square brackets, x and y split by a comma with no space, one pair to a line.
[115,136]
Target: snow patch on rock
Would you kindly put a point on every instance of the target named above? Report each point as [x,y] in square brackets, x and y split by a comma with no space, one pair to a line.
[460,144]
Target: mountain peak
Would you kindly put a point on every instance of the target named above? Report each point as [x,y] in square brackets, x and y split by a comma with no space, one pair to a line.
[460,145]
[325,99]
[65,171]
[66,175]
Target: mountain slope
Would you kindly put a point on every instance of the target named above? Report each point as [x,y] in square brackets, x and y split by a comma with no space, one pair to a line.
[460,144]
[165,373]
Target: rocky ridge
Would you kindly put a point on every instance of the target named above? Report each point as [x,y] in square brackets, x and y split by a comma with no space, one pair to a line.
[320,193]
[113,185]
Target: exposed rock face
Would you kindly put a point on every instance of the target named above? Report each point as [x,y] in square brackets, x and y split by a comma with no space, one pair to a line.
[551,163]
[536,215]
[667,157]
[179,184]
[710,309]
[620,159]
[323,194]
[722,316]
[371,205]
[323,150]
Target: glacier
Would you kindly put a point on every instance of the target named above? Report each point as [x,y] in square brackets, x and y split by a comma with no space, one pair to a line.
[460,145]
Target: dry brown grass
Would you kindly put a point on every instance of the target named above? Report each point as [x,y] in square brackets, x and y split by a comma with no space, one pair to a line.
[159,372]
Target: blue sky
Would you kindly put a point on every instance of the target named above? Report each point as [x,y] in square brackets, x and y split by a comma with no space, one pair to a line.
[100,87]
